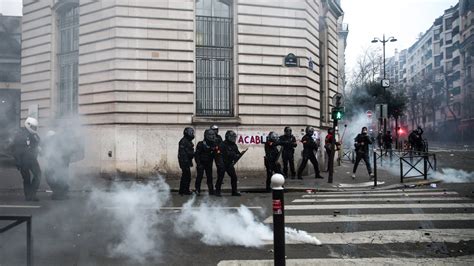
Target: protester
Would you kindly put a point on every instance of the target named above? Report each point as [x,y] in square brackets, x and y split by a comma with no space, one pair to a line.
[362,142]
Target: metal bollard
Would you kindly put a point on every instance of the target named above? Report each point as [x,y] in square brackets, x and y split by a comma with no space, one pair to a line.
[278,219]
[375,168]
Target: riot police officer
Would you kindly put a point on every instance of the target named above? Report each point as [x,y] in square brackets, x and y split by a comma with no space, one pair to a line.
[310,146]
[288,143]
[217,153]
[271,157]
[185,157]
[230,155]
[25,150]
[204,157]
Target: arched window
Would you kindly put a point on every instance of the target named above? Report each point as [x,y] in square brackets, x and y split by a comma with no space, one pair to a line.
[214,58]
[67,54]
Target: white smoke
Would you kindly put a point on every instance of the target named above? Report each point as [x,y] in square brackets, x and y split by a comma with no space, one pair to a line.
[133,209]
[450,175]
[137,222]
[354,127]
[300,236]
[218,226]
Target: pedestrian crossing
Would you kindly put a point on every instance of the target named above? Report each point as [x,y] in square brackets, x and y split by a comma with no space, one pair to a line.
[418,222]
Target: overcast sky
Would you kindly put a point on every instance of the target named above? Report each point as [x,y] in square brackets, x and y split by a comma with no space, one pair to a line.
[403,19]
[367,19]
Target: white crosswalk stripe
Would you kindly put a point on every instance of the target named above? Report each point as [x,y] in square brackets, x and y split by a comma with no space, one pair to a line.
[385,210]
[376,218]
[356,195]
[380,206]
[388,199]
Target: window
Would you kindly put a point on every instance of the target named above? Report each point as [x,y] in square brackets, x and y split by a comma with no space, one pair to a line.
[449,52]
[456,61]
[437,60]
[456,75]
[68,46]
[214,58]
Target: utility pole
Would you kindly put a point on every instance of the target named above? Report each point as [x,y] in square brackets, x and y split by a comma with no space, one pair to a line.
[385,82]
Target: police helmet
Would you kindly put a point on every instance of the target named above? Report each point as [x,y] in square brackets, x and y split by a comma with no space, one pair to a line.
[272,136]
[215,128]
[31,124]
[288,131]
[210,136]
[231,136]
[309,130]
[189,133]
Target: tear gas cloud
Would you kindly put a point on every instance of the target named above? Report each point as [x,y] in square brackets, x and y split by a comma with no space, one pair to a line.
[218,226]
[300,236]
[450,175]
[140,226]
[447,175]
[354,127]
[132,209]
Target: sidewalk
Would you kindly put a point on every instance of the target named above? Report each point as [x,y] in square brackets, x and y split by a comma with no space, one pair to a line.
[10,179]
[342,180]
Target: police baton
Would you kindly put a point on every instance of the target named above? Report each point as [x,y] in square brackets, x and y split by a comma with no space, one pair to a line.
[278,219]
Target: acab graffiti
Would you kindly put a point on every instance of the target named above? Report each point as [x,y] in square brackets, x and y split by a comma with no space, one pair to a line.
[251,139]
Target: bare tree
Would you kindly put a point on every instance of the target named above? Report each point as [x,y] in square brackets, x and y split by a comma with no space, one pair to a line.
[368,68]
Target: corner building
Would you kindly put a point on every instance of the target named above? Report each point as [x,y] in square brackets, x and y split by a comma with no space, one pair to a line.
[136,72]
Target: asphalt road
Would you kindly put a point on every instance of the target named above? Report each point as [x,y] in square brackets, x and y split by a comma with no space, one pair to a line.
[419,223]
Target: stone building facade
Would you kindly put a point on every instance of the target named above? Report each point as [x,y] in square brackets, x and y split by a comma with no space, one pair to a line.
[136,73]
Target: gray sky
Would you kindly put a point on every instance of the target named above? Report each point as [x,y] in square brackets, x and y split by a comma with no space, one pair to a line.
[403,19]
[10,7]
[367,19]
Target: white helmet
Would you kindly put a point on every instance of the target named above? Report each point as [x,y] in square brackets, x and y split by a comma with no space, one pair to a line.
[31,124]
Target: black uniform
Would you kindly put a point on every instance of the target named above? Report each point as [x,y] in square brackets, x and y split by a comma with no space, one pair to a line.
[309,147]
[271,158]
[204,156]
[185,159]
[25,152]
[362,142]
[58,151]
[288,142]
[230,154]
[218,157]
[416,140]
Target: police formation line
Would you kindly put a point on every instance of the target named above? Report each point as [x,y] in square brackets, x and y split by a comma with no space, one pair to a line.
[225,154]
[59,151]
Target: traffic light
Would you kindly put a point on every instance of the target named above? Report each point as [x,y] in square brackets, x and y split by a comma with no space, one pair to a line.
[337,113]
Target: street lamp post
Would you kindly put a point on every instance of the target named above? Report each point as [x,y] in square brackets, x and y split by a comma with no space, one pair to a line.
[384,83]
